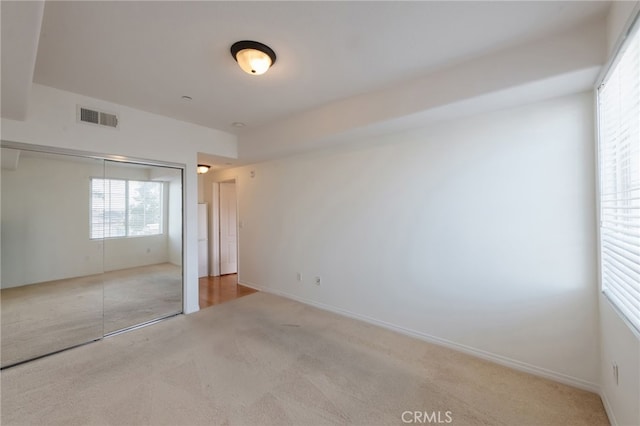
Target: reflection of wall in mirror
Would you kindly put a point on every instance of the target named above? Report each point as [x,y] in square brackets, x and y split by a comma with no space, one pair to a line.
[46,215]
[174,220]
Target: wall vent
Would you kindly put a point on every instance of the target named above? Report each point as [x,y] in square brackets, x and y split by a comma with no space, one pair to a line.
[100,118]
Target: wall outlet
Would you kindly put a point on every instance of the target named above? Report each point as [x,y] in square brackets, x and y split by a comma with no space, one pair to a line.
[615,372]
[317,280]
[299,277]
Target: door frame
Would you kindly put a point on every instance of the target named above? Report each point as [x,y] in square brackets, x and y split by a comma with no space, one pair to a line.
[214,229]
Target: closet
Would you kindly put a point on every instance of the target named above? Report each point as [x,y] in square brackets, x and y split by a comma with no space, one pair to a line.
[91,246]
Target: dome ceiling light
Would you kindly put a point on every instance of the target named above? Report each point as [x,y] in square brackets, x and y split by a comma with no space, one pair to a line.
[253,57]
[203,168]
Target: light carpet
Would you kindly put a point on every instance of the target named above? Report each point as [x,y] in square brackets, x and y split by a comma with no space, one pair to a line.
[46,317]
[266,360]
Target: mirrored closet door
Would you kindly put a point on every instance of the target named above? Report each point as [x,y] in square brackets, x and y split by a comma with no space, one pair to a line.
[142,230]
[90,247]
[51,269]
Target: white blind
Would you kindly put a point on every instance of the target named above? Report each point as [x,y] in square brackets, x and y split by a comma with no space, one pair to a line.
[123,208]
[619,158]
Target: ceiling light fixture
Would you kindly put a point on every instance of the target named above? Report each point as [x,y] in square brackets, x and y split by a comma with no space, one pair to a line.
[203,168]
[253,57]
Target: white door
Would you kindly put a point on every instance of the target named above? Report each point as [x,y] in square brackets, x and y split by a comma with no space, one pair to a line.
[203,243]
[228,238]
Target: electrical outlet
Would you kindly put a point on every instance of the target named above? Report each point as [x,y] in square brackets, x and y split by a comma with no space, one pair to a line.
[317,280]
[615,372]
[299,277]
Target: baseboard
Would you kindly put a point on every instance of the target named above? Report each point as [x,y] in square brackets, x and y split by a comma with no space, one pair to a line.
[498,359]
[608,409]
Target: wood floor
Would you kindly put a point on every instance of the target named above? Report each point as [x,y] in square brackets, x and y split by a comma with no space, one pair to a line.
[216,290]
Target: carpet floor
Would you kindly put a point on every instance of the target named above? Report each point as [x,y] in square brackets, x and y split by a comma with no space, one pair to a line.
[266,360]
[46,317]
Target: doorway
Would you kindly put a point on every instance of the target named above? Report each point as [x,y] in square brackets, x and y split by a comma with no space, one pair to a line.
[228,229]
[222,284]
[224,232]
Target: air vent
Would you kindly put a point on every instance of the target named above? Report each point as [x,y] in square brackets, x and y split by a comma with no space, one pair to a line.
[89,116]
[108,119]
[101,118]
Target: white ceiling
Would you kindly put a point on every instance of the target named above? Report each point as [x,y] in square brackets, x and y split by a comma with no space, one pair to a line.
[20,24]
[148,54]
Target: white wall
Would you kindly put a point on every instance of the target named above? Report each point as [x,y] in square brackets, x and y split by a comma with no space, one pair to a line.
[33,250]
[175,222]
[51,121]
[172,179]
[124,253]
[620,345]
[478,233]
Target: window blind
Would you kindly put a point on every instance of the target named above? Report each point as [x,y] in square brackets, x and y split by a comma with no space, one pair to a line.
[124,208]
[619,169]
